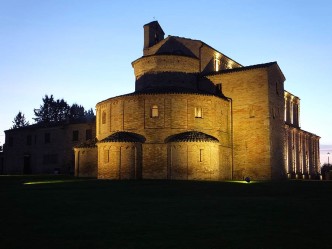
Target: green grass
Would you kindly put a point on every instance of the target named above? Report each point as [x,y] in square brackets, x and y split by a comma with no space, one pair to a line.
[65,212]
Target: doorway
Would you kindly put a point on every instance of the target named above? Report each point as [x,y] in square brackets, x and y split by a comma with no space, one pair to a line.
[27,164]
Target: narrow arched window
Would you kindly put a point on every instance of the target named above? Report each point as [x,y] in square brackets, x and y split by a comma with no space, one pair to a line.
[103,118]
[198,112]
[106,156]
[201,153]
[154,111]
[216,64]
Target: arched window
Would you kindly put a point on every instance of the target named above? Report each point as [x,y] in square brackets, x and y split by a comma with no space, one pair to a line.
[201,153]
[103,118]
[106,156]
[198,112]
[216,64]
[154,111]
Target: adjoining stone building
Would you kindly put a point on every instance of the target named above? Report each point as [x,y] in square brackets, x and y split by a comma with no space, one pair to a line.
[45,148]
[301,147]
[197,114]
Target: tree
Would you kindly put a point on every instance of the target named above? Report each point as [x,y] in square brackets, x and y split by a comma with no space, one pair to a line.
[89,115]
[58,110]
[62,110]
[20,121]
[325,169]
[77,112]
[52,111]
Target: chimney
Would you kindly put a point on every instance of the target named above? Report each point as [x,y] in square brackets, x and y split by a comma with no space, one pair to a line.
[153,34]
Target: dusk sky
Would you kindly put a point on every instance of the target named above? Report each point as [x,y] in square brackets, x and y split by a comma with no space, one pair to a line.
[82,51]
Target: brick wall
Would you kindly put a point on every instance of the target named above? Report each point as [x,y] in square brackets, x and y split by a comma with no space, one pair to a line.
[86,162]
[165,63]
[176,114]
[249,90]
[119,160]
[40,157]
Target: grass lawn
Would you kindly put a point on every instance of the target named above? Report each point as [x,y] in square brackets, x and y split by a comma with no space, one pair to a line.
[65,212]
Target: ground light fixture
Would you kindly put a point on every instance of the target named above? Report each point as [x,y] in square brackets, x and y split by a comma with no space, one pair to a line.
[247,179]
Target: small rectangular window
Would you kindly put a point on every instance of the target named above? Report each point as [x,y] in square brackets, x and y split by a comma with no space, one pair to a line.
[106,156]
[47,138]
[103,118]
[88,134]
[75,135]
[201,151]
[291,112]
[198,112]
[216,64]
[154,111]
[29,140]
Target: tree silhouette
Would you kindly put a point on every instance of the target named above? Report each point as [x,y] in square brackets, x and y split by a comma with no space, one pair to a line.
[89,115]
[58,110]
[20,121]
[77,112]
[52,110]
[325,169]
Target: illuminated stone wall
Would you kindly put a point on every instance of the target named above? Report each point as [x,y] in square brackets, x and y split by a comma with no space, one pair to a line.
[165,63]
[175,46]
[155,161]
[301,153]
[86,161]
[276,121]
[176,114]
[194,161]
[301,147]
[257,104]
[119,160]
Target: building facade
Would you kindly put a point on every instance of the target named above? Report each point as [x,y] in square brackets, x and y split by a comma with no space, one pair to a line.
[301,147]
[196,114]
[44,148]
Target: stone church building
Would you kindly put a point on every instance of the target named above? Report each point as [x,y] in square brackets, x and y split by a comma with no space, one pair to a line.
[197,114]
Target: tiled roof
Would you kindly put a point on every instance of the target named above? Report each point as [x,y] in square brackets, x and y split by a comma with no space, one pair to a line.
[167,90]
[192,136]
[124,136]
[91,143]
[184,39]
[55,124]
[243,68]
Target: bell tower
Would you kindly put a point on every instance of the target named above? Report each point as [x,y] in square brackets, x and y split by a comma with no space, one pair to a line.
[153,34]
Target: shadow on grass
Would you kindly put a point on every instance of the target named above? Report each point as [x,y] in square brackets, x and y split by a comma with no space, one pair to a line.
[68,212]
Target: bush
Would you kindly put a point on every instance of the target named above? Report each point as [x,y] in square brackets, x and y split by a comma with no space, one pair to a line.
[326,171]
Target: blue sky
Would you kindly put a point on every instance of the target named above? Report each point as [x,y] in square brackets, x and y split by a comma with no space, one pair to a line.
[82,50]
